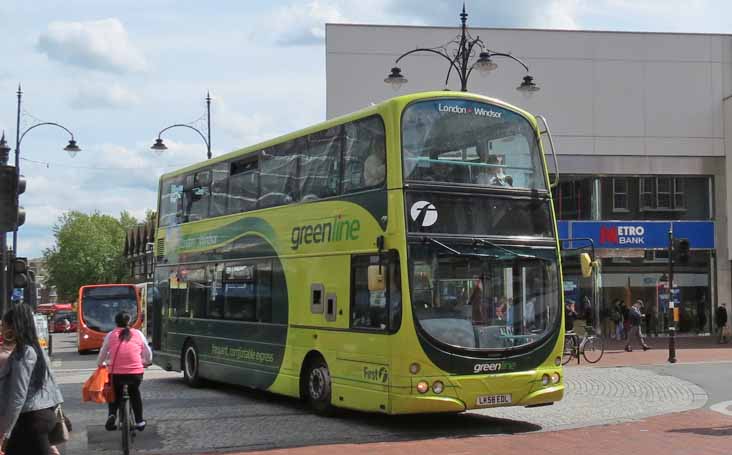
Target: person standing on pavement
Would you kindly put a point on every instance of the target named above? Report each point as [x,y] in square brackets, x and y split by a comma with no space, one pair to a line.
[28,390]
[720,317]
[126,354]
[635,316]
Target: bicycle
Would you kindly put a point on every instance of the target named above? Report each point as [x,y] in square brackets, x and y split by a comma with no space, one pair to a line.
[590,345]
[126,421]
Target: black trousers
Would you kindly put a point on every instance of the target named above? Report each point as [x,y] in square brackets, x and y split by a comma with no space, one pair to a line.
[133,382]
[30,434]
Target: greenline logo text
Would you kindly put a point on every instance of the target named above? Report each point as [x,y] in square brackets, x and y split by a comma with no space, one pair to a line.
[334,230]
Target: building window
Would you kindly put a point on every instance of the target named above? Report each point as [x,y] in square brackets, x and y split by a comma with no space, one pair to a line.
[679,197]
[620,195]
[662,193]
[647,192]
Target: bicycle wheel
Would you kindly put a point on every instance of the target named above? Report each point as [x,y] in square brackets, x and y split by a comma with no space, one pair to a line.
[570,346]
[593,349]
[125,424]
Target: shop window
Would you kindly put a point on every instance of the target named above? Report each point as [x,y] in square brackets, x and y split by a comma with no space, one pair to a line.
[620,194]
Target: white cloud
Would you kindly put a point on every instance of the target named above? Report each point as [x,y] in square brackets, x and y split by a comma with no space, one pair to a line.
[103,96]
[100,45]
[304,24]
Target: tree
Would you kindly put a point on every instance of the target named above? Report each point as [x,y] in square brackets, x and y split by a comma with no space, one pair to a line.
[88,250]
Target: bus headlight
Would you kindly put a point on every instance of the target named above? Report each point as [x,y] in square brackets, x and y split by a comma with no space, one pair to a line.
[545,379]
[86,336]
[556,378]
[414,368]
[423,386]
[438,387]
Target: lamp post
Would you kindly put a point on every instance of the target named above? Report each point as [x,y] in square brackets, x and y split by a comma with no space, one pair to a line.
[4,156]
[72,148]
[460,61]
[159,146]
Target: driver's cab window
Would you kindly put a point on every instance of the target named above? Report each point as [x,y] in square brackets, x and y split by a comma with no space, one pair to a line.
[376,306]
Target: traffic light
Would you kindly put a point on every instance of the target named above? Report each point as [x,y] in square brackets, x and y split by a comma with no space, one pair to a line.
[20,276]
[681,249]
[11,185]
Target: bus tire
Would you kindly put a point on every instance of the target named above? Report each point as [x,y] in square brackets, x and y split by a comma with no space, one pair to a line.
[318,387]
[191,372]
[84,352]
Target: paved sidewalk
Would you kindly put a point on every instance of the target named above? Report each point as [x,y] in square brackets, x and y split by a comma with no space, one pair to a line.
[688,350]
[687,433]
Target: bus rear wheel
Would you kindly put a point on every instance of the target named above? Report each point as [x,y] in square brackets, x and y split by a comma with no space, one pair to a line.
[191,373]
[319,387]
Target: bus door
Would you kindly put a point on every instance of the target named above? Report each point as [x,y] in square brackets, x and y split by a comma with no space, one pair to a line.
[375,314]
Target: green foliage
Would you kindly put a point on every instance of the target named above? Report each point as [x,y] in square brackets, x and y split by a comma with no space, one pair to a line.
[89,249]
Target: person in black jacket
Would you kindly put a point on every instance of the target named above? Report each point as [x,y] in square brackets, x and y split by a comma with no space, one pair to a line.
[720,317]
[635,316]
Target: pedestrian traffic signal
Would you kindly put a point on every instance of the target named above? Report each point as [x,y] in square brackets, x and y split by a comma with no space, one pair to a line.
[681,249]
[11,185]
[19,277]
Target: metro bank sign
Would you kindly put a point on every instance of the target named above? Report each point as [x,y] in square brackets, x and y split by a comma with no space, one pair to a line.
[622,235]
[639,234]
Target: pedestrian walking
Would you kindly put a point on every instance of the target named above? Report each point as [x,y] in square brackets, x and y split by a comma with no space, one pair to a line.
[28,391]
[635,316]
[720,317]
[626,319]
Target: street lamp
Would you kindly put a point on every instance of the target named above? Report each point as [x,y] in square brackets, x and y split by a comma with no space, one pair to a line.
[460,61]
[72,148]
[159,146]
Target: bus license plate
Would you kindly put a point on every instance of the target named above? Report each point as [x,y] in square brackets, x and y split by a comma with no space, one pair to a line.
[492,400]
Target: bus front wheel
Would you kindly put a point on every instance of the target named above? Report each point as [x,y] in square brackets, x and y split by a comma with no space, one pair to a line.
[191,373]
[319,387]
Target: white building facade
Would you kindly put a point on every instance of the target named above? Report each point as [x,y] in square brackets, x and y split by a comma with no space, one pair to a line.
[642,123]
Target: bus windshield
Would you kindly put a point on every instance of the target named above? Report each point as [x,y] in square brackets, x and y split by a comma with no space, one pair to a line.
[486,297]
[99,306]
[470,142]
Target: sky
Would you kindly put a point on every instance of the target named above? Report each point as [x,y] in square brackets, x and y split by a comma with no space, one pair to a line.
[117,72]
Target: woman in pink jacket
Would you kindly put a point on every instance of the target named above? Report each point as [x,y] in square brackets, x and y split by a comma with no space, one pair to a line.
[126,354]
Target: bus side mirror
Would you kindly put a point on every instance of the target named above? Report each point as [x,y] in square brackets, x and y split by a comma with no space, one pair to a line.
[586,264]
[376,278]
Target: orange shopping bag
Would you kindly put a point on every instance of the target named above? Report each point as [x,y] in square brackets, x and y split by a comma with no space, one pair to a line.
[94,387]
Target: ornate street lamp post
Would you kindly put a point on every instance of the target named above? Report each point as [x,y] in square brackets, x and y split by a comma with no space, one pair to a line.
[72,148]
[159,146]
[461,60]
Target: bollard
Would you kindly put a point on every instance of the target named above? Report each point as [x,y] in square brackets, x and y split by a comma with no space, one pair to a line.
[672,344]
[50,344]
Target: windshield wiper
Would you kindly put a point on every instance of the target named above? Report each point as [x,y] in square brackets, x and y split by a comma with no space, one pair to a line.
[438,243]
[515,253]
[456,252]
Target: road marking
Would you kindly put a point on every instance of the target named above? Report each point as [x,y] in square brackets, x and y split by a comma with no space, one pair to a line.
[722,408]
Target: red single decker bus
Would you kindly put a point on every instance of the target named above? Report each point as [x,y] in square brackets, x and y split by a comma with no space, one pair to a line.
[98,305]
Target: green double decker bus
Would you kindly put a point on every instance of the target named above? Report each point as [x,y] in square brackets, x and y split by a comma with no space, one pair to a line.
[400,259]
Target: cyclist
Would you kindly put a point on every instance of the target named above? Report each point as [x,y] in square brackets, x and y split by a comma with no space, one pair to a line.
[126,354]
